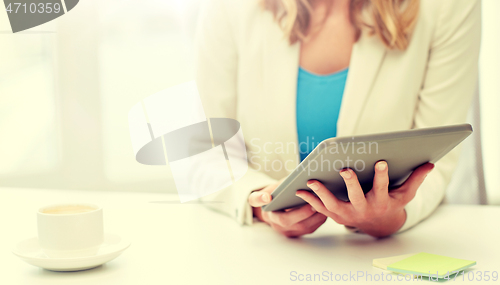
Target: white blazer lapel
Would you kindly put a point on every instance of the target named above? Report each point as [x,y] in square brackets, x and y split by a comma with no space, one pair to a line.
[281,64]
[367,56]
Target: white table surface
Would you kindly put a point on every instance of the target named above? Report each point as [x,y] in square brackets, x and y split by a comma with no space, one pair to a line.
[175,243]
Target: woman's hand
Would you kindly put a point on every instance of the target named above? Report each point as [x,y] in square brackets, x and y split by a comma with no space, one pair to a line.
[291,222]
[379,213]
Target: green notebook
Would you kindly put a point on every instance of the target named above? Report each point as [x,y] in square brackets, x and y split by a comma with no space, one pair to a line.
[426,264]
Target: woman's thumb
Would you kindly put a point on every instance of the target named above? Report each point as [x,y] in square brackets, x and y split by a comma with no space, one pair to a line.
[259,198]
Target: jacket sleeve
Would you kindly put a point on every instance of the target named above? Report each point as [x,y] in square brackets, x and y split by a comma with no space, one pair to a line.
[216,77]
[446,93]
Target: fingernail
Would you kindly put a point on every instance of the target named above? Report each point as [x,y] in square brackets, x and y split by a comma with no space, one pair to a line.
[381,165]
[313,186]
[346,174]
[312,209]
[265,197]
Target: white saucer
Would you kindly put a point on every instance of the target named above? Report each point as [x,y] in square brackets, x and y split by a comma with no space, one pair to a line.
[29,250]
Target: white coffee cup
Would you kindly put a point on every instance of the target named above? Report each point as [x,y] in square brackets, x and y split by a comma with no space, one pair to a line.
[69,230]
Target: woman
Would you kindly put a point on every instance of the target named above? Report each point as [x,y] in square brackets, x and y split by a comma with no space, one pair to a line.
[293,71]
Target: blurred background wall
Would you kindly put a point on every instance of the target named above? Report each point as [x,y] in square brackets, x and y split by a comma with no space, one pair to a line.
[66,88]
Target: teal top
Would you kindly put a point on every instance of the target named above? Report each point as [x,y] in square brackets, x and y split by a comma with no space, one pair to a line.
[318,106]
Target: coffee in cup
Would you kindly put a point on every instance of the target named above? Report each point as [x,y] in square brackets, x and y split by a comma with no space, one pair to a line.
[68,209]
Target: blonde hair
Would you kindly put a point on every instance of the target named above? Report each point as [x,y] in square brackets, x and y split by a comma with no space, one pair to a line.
[391,20]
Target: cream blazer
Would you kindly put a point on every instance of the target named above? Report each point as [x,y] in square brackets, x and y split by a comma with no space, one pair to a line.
[247,70]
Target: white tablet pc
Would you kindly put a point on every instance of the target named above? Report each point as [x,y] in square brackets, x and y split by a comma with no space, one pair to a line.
[403,150]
